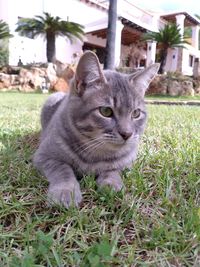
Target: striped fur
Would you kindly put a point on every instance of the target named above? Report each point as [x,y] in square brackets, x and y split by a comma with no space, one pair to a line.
[78,140]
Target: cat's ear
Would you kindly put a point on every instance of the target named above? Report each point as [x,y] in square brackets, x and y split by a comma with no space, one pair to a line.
[141,79]
[88,72]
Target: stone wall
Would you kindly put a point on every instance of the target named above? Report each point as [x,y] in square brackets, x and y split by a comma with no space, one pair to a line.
[174,84]
[54,77]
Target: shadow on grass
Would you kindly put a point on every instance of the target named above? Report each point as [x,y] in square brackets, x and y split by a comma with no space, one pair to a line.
[31,141]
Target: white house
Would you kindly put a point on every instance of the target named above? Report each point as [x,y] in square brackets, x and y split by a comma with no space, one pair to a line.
[93,15]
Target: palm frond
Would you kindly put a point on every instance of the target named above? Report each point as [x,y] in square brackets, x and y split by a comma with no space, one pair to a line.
[29,27]
[4,30]
[70,30]
[40,25]
[169,36]
[198,16]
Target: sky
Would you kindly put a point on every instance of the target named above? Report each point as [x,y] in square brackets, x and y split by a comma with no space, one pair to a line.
[191,6]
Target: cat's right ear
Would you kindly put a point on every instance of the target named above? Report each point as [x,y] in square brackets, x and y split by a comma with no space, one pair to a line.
[88,72]
[141,79]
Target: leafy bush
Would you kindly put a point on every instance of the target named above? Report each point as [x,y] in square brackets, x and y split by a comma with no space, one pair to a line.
[3,56]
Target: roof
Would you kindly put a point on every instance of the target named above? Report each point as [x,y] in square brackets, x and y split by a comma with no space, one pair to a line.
[190,20]
[130,33]
[96,3]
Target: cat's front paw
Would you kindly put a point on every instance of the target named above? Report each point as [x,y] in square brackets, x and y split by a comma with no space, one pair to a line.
[65,194]
[112,180]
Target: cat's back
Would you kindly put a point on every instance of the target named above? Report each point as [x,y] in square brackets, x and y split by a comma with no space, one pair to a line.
[50,107]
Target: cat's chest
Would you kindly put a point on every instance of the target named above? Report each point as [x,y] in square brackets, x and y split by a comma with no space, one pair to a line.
[83,166]
[86,164]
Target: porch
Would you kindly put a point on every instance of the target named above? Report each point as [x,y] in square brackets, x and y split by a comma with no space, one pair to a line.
[130,51]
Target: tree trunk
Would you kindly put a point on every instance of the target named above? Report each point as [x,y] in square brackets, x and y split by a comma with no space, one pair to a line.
[51,47]
[111,33]
[163,58]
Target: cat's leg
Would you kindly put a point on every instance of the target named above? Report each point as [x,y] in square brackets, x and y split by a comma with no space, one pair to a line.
[113,179]
[64,188]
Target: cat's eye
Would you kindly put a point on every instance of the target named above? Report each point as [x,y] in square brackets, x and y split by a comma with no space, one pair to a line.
[106,111]
[136,113]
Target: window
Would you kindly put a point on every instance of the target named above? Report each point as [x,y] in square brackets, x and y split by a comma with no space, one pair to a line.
[191,60]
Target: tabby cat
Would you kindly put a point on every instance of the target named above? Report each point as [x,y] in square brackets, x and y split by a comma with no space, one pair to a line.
[94,129]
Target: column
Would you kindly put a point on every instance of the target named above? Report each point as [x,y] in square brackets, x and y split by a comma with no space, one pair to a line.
[196,68]
[180,22]
[151,52]
[195,36]
[119,28]
[174,59]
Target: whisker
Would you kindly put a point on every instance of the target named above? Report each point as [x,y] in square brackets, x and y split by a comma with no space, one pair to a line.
[95,147]
[90,147]
[91,141]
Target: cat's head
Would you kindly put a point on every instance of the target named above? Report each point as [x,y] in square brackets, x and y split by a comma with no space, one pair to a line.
[108,107]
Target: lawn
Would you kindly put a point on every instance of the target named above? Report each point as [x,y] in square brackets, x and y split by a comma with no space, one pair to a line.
[173,98]
[155,221]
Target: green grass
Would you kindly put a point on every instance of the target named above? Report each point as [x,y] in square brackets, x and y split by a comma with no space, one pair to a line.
[173,98]
[155,221]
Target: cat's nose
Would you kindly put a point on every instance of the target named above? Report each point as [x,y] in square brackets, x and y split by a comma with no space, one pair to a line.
[125,135]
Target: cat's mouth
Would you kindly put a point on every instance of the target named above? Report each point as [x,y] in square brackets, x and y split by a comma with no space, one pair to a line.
[106,143]
[119,141]
[109,147]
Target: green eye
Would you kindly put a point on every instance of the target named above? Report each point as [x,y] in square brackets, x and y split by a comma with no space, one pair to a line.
[136,114]
[106,111]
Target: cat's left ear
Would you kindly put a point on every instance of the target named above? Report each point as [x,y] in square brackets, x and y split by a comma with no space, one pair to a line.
[88,72]
[141,79]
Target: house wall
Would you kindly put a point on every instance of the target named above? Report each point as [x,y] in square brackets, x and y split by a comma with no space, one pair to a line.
[95,40]
[172,57]
[186,68]
[186,61]
[125,50]
[186,64]
[26,49]
[137,15]
[30,50]
[65,50]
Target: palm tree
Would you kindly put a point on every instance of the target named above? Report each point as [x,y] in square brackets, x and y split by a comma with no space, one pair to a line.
[198,16]
[4,36]
[4,30]
[49,27]
[111,33]
[168,37]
